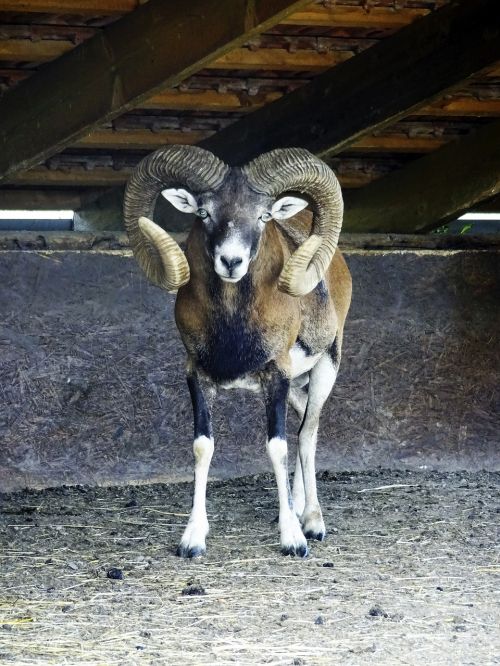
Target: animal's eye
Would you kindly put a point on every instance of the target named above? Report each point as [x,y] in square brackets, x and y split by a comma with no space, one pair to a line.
[265,217]
[201,212]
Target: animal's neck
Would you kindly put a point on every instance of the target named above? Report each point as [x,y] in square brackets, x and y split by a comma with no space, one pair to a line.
[262,275]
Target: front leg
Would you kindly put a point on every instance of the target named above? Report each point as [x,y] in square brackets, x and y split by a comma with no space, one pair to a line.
[276,385]
[202,393]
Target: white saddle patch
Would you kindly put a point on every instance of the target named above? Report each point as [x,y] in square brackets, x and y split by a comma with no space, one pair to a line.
[248,382]
[301,363]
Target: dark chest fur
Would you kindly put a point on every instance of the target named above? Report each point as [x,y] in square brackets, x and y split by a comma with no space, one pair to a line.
[232,348]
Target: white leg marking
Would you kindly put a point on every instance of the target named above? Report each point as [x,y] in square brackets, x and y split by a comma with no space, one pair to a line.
[298,399]
[298,494]
[193,540]
[321,382]
[291,537]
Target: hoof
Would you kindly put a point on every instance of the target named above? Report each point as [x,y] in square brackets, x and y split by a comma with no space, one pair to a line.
[190,552]
[313,525]
[300,550]
[318,536]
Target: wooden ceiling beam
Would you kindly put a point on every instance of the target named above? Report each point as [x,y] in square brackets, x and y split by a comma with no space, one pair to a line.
[431,190]
[391,80]
[126,63]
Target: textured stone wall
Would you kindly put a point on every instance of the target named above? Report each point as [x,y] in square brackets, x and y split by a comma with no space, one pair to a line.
[92,387]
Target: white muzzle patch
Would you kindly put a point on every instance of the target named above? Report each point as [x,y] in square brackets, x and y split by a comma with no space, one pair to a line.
[231,259]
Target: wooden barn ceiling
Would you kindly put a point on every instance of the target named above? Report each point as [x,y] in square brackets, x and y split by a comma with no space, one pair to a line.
[89,87]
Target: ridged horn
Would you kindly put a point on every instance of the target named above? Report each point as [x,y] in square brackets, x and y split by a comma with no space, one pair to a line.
[158,254]
[296,169]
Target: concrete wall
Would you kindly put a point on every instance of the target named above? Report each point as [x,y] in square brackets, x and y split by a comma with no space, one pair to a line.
[92,387]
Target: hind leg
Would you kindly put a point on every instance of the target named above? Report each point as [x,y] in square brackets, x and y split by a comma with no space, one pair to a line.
[298,400]
[322,379]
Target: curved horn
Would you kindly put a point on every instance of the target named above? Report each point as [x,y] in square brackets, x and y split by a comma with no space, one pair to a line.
[157,253]
[297,169]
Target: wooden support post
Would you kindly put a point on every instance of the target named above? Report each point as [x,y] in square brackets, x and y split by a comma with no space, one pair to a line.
[431,190]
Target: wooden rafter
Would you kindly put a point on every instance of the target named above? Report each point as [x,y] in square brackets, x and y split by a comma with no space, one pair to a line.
[123,65]
[393,79]
[431,190]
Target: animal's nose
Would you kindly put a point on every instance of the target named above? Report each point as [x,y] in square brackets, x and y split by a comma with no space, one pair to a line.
[230,264]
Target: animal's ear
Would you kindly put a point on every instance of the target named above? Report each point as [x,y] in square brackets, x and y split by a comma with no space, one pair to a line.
[287,207]
[181,199]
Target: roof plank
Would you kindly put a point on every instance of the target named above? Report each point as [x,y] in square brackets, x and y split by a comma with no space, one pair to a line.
[277,59]
[139,139]
[79,7]
[209,100]
[458,105]
[146,139]
[431,190]
[103,176]
[393,79]
[29,199]
[126,63]
[73,177]
[27,50]
[397,144]
[313,14]
[280,59]
[461,106]
[355,17]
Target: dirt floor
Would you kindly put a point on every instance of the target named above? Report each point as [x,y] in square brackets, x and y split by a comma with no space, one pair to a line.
[409,574]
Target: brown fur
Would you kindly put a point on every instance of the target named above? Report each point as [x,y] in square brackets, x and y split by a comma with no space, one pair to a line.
[280,318]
